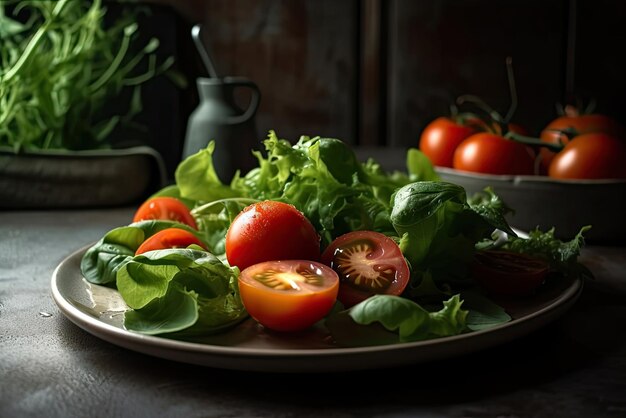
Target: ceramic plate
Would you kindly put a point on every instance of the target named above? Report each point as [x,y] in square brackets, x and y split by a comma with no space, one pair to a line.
[100,310]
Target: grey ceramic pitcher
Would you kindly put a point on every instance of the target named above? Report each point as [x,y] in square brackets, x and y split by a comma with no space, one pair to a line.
[217,117]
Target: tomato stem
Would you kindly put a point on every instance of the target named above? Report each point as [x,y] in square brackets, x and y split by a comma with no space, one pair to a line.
[512,90]
[501,122]
[534,141]
[494,116]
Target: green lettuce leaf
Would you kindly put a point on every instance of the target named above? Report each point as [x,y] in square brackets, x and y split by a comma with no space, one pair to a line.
[197,180]
[562,255]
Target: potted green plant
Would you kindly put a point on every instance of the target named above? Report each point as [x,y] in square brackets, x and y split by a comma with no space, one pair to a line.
[60,66]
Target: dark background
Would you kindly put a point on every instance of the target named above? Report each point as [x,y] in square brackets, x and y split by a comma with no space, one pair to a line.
[375,72]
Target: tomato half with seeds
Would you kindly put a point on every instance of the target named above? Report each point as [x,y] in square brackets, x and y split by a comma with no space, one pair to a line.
[506,273]
[165,208]
[288,295]
[368,263]
[169,238]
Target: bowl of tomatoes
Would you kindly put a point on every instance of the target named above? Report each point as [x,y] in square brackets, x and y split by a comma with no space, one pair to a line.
[572,175]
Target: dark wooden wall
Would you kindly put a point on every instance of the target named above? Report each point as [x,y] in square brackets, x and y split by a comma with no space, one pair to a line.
[375,72]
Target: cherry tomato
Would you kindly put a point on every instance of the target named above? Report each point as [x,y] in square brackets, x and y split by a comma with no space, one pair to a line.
[590,156]
[169,238]
[367,263]
[165,208]
[270,230]
[507,273]
[440,138]
[493,154]
[288,295]
[562,129]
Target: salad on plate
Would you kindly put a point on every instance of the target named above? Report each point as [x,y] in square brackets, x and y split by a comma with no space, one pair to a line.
[315,237]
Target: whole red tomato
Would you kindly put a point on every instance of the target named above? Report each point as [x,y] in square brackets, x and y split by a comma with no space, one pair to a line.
[562,129]
[590,156]
[493,154]
[268,231]
[169,238]
[165,208]
[440,138]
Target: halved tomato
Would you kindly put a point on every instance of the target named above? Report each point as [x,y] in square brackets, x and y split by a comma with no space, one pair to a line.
[169,238]
[368,263]
[288,295]
[507,273]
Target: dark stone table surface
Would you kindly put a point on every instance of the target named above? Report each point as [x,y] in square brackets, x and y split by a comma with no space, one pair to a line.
[572,367]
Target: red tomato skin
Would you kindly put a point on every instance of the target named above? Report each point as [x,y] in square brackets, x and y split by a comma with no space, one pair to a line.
[440,138]
[504,273]
[493,154]
[287,311]
[590,156]
[581,124]
[169,238]
[270,230]
[165,208]
[384,252]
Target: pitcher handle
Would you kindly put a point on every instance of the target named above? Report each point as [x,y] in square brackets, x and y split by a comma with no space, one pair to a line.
[254,100]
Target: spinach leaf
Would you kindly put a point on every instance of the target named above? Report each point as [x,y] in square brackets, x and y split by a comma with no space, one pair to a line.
[491,207]
[100,263]
[423,211]
[405,318]
[176,310]
[340,160]
[483,313]
[175,290]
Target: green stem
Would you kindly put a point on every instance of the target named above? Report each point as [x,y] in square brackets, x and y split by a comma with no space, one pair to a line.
[533,141]
[34,42]
[117,61]
[512,90]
